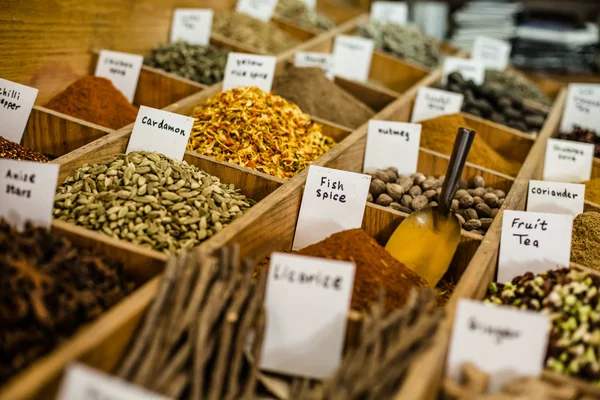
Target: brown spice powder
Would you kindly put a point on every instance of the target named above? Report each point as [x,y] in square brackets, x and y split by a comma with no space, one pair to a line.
[592,190]
[585,242]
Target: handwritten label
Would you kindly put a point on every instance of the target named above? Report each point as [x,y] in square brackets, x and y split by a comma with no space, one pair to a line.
[160,131]
[192,25]
[505,342]
[122,69]
[389,12]
[492,53]
[533,241]
[259,9]
[555,197]
[312,59]
[582,107]
[469,69]
[84,383]
[27,191]
[392,144]
[432,103]
[307,301]
[352,57]
[249,70]
[16,102]
[568,161]
[333,201]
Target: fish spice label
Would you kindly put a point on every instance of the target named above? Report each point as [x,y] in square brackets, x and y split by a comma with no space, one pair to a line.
[249,70]
[582,107]
[16,102]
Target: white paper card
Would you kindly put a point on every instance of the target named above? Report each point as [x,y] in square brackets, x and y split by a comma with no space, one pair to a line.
[122,69]
[555,197]
[27,191]
[333,201]
[307,301]
[352,57]
[391,12]
[493,53]
[249,70]
[469,69]
[16,102]
[533,241]
[433,103]
[192,25]
[311,4]
[160,131]
[582,107]
[392,144]
[312,59]
[84,383]
[568,161]
[259,9]
[505,342]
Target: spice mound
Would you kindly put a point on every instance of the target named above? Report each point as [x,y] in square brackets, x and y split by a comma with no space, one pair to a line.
[318,96]
[375,268]
[95,100]
[585,242]
[592,190]
[517,84]
[202,64]
[297,11]
[439,134]
[258,130]
[261,36]
[579,134]
[150,200]
[48,288]
[14,151]
[570,297]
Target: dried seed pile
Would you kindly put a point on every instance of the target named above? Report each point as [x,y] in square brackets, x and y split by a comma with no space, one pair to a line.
[48,288]
[297,11]
[150,200]
[571,298]
[516,83]
[585,242]
[258,130]
[14,151]
[579,134]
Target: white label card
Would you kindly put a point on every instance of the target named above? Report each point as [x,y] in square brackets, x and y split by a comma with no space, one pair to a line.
[568,161]
[122,69]
[555,197]
[433,103]
[352,57]
[469,69]
[192,25]
[307,301]
[84,383]
[493,53]
[391,12]
[392,144]
[333,201]
[535,242]
[160,131]
[311,4]
[27,191]
[16,102]
[312,59]
[249,70]
[259,9]
[582,107]
[505,342]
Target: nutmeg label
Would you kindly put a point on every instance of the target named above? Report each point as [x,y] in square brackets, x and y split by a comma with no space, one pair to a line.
[192,25]
[392,144]
[122,69]
[433,103]
[333,201]
[249,70]
[568,161]
[469,69]
[389,12]
[307,301]
[533,242]
[352,57]
[312,59]
[16,102]
[582,107]
[492,53]
[555,197]
[259,9]
[505,342]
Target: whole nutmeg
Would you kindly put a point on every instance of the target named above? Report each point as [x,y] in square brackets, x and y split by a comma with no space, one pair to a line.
[477,200]
[384,200]
[394,170]
[431,183]
[419,202]
[471,192]
[370,197]
[376,187]
[486,223]
[415,191]
[494,212]
[394,190]
[460,219]
[392,175]
[499,193]
[463,184]
[477,181]
[460,193]
[395,206]
[483,210]
[479,192]
[466,201]
[405,210]
[382,175]
[489,189]
[480,231]
[500,202]
[430,194]
[433,204]
[491,199]
[419,178]
[454,206]
[472,224]
[406,200]
[470,213]
[405,181]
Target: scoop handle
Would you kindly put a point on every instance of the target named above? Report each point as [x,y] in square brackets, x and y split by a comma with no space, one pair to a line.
[462,145]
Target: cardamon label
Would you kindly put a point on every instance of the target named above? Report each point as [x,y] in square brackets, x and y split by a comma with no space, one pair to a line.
[192,25]
[568,161]
[555,197]
[16,102]
[492,53]
[392,144]
[389,12]
[352,57]
[249,70]
[582,107]
[122,69]
[469,69]
[259,9]
[432,103]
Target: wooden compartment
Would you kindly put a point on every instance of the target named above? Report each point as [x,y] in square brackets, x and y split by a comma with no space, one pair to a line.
[339,12]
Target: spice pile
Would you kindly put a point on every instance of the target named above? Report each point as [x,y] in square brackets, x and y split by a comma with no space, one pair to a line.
[95,100]
[474,204]
[592,190]
[585,241]
[258,130]
[150,200]
[403,41]
[517,84]
[297,11]
[579,134]
[202,64]
[571,298]
[14,151]
[48,288]
[318,96]
[262,36]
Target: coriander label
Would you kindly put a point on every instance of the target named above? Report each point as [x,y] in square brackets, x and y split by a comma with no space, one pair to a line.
[533,241]
[493,53]
[333,201]
[555,197]
[311,59]
[352,57]
[27,191]
[433,103]
[307,301]
[249,70]
[16,102]
[192,25]
[392,144]
[390,12]
[568,161]
[582,107]
[469,69]
[122,69]
[160,131]
[259,9]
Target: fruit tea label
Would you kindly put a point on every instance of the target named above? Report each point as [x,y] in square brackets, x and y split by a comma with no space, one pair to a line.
[555,197]
[192,25]
[582,107]
[568,161]
[433,103]
[249,70]
[122,69]
[492,53]
[392,144]
[16,102]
